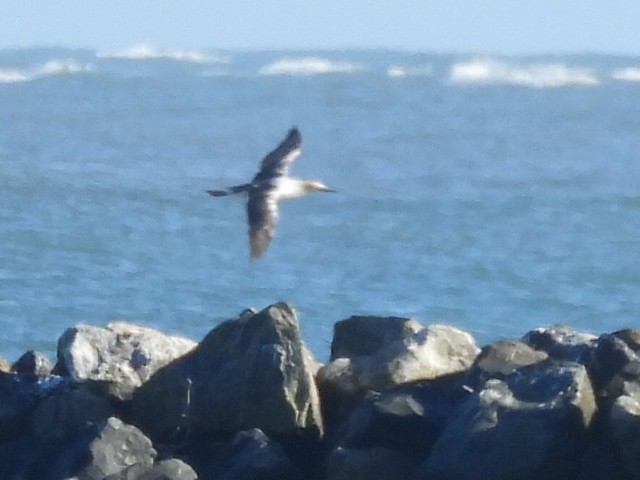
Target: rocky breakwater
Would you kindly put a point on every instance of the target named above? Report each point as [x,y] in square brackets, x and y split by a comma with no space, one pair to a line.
[397,400]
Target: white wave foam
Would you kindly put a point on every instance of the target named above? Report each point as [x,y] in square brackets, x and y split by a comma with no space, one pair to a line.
[398,71]
[12,76]
[629,74]
[143,51]
[307,66]
[50,68]
[62,67]
[540,75]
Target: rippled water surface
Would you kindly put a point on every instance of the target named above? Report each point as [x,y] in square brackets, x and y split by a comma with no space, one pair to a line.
[494,194]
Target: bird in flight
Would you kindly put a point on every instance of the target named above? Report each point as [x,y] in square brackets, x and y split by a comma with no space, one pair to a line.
[270,185]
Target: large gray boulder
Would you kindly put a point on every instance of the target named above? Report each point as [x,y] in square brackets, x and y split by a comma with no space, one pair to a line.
[360,335]
[116,447]
[624,427]
[394,352]
[609,358]
[531,425]
[33,364]
[250,372]
[169,469]
[121,356]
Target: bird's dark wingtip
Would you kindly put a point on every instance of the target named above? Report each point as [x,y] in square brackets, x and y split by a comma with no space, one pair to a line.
[294,131]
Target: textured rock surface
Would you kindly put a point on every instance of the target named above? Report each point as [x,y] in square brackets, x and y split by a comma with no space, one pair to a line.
[402,353]
[359,336]
[408,420]
[408,402]
[117,447]
[624,424]
[532,425]
[609,358]
[250,372]
[34,364]
[171,469]
[122,355]
[501,358]
[505,356]
[562,343]
[91,454]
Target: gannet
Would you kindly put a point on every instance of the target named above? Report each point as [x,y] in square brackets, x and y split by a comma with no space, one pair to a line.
[270,185]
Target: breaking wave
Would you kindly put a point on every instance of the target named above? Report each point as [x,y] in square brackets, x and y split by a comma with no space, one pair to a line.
[147,52]
[307,66]
[63,67]
[398,71]
[50,68]
[540,75]
[629,74]
[12,76]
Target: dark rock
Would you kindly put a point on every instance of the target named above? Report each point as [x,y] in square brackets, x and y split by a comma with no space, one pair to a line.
[93,453]
[116,447]
[408,420]
[415,354]
[17,458]
[170,469]
[33,364]
[630,336]
[251,372]
[28,458]
[625,382]
[19,396]
[68,411]
[601,459]
[624,425]
[609,357]
[121,356]
[531,425]
[562,343]
[249,455]
[375,463]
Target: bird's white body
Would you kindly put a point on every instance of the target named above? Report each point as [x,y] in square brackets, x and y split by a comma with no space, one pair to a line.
[286,188]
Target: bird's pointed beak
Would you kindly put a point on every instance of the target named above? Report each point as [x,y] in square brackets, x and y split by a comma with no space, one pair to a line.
[321,187]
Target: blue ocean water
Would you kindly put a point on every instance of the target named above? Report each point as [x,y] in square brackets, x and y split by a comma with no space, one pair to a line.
[496,194]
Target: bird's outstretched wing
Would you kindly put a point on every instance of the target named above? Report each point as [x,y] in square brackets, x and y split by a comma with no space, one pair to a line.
[262,212]
[277,162]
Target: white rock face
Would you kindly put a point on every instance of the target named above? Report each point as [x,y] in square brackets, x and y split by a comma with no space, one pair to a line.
[414,354]
[121,354]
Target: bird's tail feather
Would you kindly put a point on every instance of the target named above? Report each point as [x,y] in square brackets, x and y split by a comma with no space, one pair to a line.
[230,191]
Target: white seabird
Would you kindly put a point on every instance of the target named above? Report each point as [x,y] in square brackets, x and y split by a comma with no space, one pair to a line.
[270,185]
